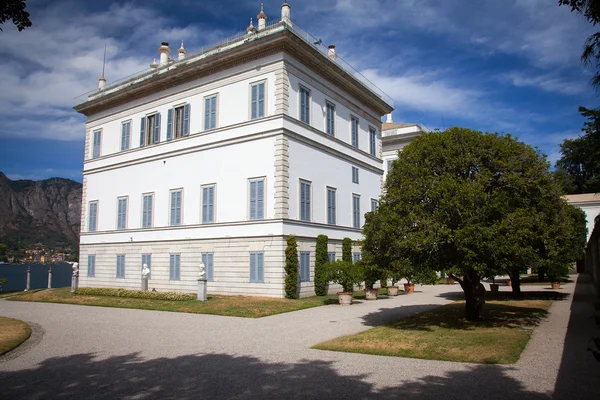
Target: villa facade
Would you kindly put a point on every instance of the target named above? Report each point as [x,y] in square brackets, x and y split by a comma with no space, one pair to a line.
[220,156]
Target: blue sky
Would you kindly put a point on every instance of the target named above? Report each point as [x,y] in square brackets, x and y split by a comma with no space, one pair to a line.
[507,66]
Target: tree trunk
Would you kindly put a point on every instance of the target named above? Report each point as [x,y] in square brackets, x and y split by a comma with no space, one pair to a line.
[468,285]
[516,282]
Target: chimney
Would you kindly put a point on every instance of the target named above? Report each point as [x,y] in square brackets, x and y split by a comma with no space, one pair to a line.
[331,52]
[181,52]
[164,52]
[262,18]
[389,119]
[285,13]
[101,83]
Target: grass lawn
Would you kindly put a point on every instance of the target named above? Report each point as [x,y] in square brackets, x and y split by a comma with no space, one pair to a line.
[12,333]
[443,334]
[234,306]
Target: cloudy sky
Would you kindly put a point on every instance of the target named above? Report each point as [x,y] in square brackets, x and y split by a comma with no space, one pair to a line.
[507,66]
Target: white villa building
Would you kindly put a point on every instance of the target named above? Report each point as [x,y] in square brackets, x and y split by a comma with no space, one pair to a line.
[220,156]
[395,137]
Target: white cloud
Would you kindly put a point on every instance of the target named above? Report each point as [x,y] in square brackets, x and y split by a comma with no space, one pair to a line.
[549,82]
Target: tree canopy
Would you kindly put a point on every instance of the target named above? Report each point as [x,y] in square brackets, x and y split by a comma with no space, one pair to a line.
[467,203]
[14,10]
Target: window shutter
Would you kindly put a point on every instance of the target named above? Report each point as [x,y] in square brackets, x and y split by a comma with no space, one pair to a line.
[213,112]
[253,267]
[170,124]
[171,265]
[302,202]
[178,267]
[211,204]
[186,120]
[253,197]
[307,197]
[204,205]
[123,137]
[206,114]
[261,100]
[92,222]
[173,208]
[157,128]
[260,267]
[178,208]
[142,132]
[208,259]
[254,102]
[260,200]
[302,105]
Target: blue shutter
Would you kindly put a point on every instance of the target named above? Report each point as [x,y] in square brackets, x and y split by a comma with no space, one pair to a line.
[169,124]
[331,206]
[356,211]
[143,132]
[92,220]
[147,211]
[211,204]
[124,138]
[96,146]
[354,132]
[254,102]
[208,198]
[208,261]
[260,200]
[253,257]
[171,265]
[213,112]
[186,120]
[122,214]
[91,272]
[121,266]
[177,207]
[173,208]
[206,114]
[261,100]
[204,205]
[260,267]
[304,201]
[373,137]
[157,128]
[253,198]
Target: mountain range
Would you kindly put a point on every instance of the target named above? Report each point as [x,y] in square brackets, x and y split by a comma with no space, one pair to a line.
[46,211]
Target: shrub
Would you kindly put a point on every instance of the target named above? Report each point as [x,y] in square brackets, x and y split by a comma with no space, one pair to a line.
[320,261]
[344,273]
[370,273]
[291,268]
[347,250]
[136,294]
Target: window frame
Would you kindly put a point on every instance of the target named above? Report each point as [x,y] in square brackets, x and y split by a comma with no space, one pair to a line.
[301,206]
[119,199]
[91,272]
[180,190]
[354,119]
[372,141]
[257,278]
[212,218]
[356,256]
[210,267]
[355,213]
[95,203]
[355,177]
[331,215]
[264,107]
[307,107]
[333,113]
[206,123]
[175,269]
[376,203]
[99,147]
[304,266]
[331,256]
[151,211]
[120,273]
[127,146]
[264,199]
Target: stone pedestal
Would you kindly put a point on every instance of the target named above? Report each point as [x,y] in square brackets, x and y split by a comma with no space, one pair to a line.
[74,283]
[28,283]
[202,289]
[49,277]
[144,284]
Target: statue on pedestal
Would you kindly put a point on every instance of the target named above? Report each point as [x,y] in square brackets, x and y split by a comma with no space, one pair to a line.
[202,272]
[75,267]
[145,271]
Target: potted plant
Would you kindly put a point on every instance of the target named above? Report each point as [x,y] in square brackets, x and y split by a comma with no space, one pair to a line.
[371,274]
[404,269]
[555,272]
[347,275]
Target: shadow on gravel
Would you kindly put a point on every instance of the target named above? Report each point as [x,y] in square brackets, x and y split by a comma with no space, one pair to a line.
[220,376]
[533,295]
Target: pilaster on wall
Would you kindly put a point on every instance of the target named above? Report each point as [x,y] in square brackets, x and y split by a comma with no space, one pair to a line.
[282,94]
[86,150]
[282,177]
[83,204]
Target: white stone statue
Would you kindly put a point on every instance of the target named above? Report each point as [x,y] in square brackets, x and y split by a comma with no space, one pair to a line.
[145,271]
[202,272]
[75,267]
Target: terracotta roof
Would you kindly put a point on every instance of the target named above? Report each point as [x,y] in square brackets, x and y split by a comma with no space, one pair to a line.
[394,126]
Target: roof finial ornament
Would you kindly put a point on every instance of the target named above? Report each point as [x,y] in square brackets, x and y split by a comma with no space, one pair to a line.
[285,13]
[181,52]
[251,29]
[262,18]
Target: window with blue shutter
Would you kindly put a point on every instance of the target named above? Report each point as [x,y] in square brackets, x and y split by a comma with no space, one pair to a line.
[208,261]
[176,200]
[93,217]
[97,143]
[91,270]
[331,215]
[305,201]
[354,126]
[355,257]
[208,204]
[330,119]
[356,211]
[331,256]
[374,205]
[122,213]
[304,105]
[354,175]
[156,137]
[257,267]
[257,101]
[147,259]
[304,266]
[147,204]
[210,112]
[170,124]
[121,266]
[372,141]
[186,120]
[174,267]
[143,132]
[257,199]
[125,135]
[178,122]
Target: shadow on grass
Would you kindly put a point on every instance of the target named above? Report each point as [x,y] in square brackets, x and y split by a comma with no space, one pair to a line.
[220,376]
[504,295]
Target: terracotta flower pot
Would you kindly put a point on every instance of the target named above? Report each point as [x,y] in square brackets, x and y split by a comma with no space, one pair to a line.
[371,294]
[494,288]
[555,285]
[393,290]
[509,283]
[345,298]
[449,281]
[409,287]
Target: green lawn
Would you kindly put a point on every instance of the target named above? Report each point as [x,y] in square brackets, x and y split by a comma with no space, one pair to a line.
[13,332]
[235,306]
[443,334]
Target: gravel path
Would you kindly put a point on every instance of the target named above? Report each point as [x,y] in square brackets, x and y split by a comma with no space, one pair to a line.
[95,352]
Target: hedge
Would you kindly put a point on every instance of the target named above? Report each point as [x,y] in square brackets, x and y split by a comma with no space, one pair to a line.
[136,294]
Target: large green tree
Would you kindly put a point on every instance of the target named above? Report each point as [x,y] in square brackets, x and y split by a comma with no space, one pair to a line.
[450,195]
[14,10]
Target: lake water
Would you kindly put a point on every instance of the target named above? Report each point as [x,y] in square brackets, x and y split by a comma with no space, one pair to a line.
[17,276]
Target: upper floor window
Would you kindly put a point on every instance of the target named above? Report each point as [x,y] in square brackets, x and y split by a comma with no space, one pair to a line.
[147,205]
[374,205]
[125,135]
[97,142]
[331,214]
[330,119]
[210,112]
[178,122]
[122,213]
[150,129]
[304,105]
[356,211]
[372,141]
[257,199]
[93,217]
[354,129]
[176,200]
[304,201]
[354,175]
[389,164]
[208,204]
[257,101]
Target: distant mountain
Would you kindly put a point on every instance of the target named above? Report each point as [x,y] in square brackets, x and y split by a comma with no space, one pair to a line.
[46,211]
